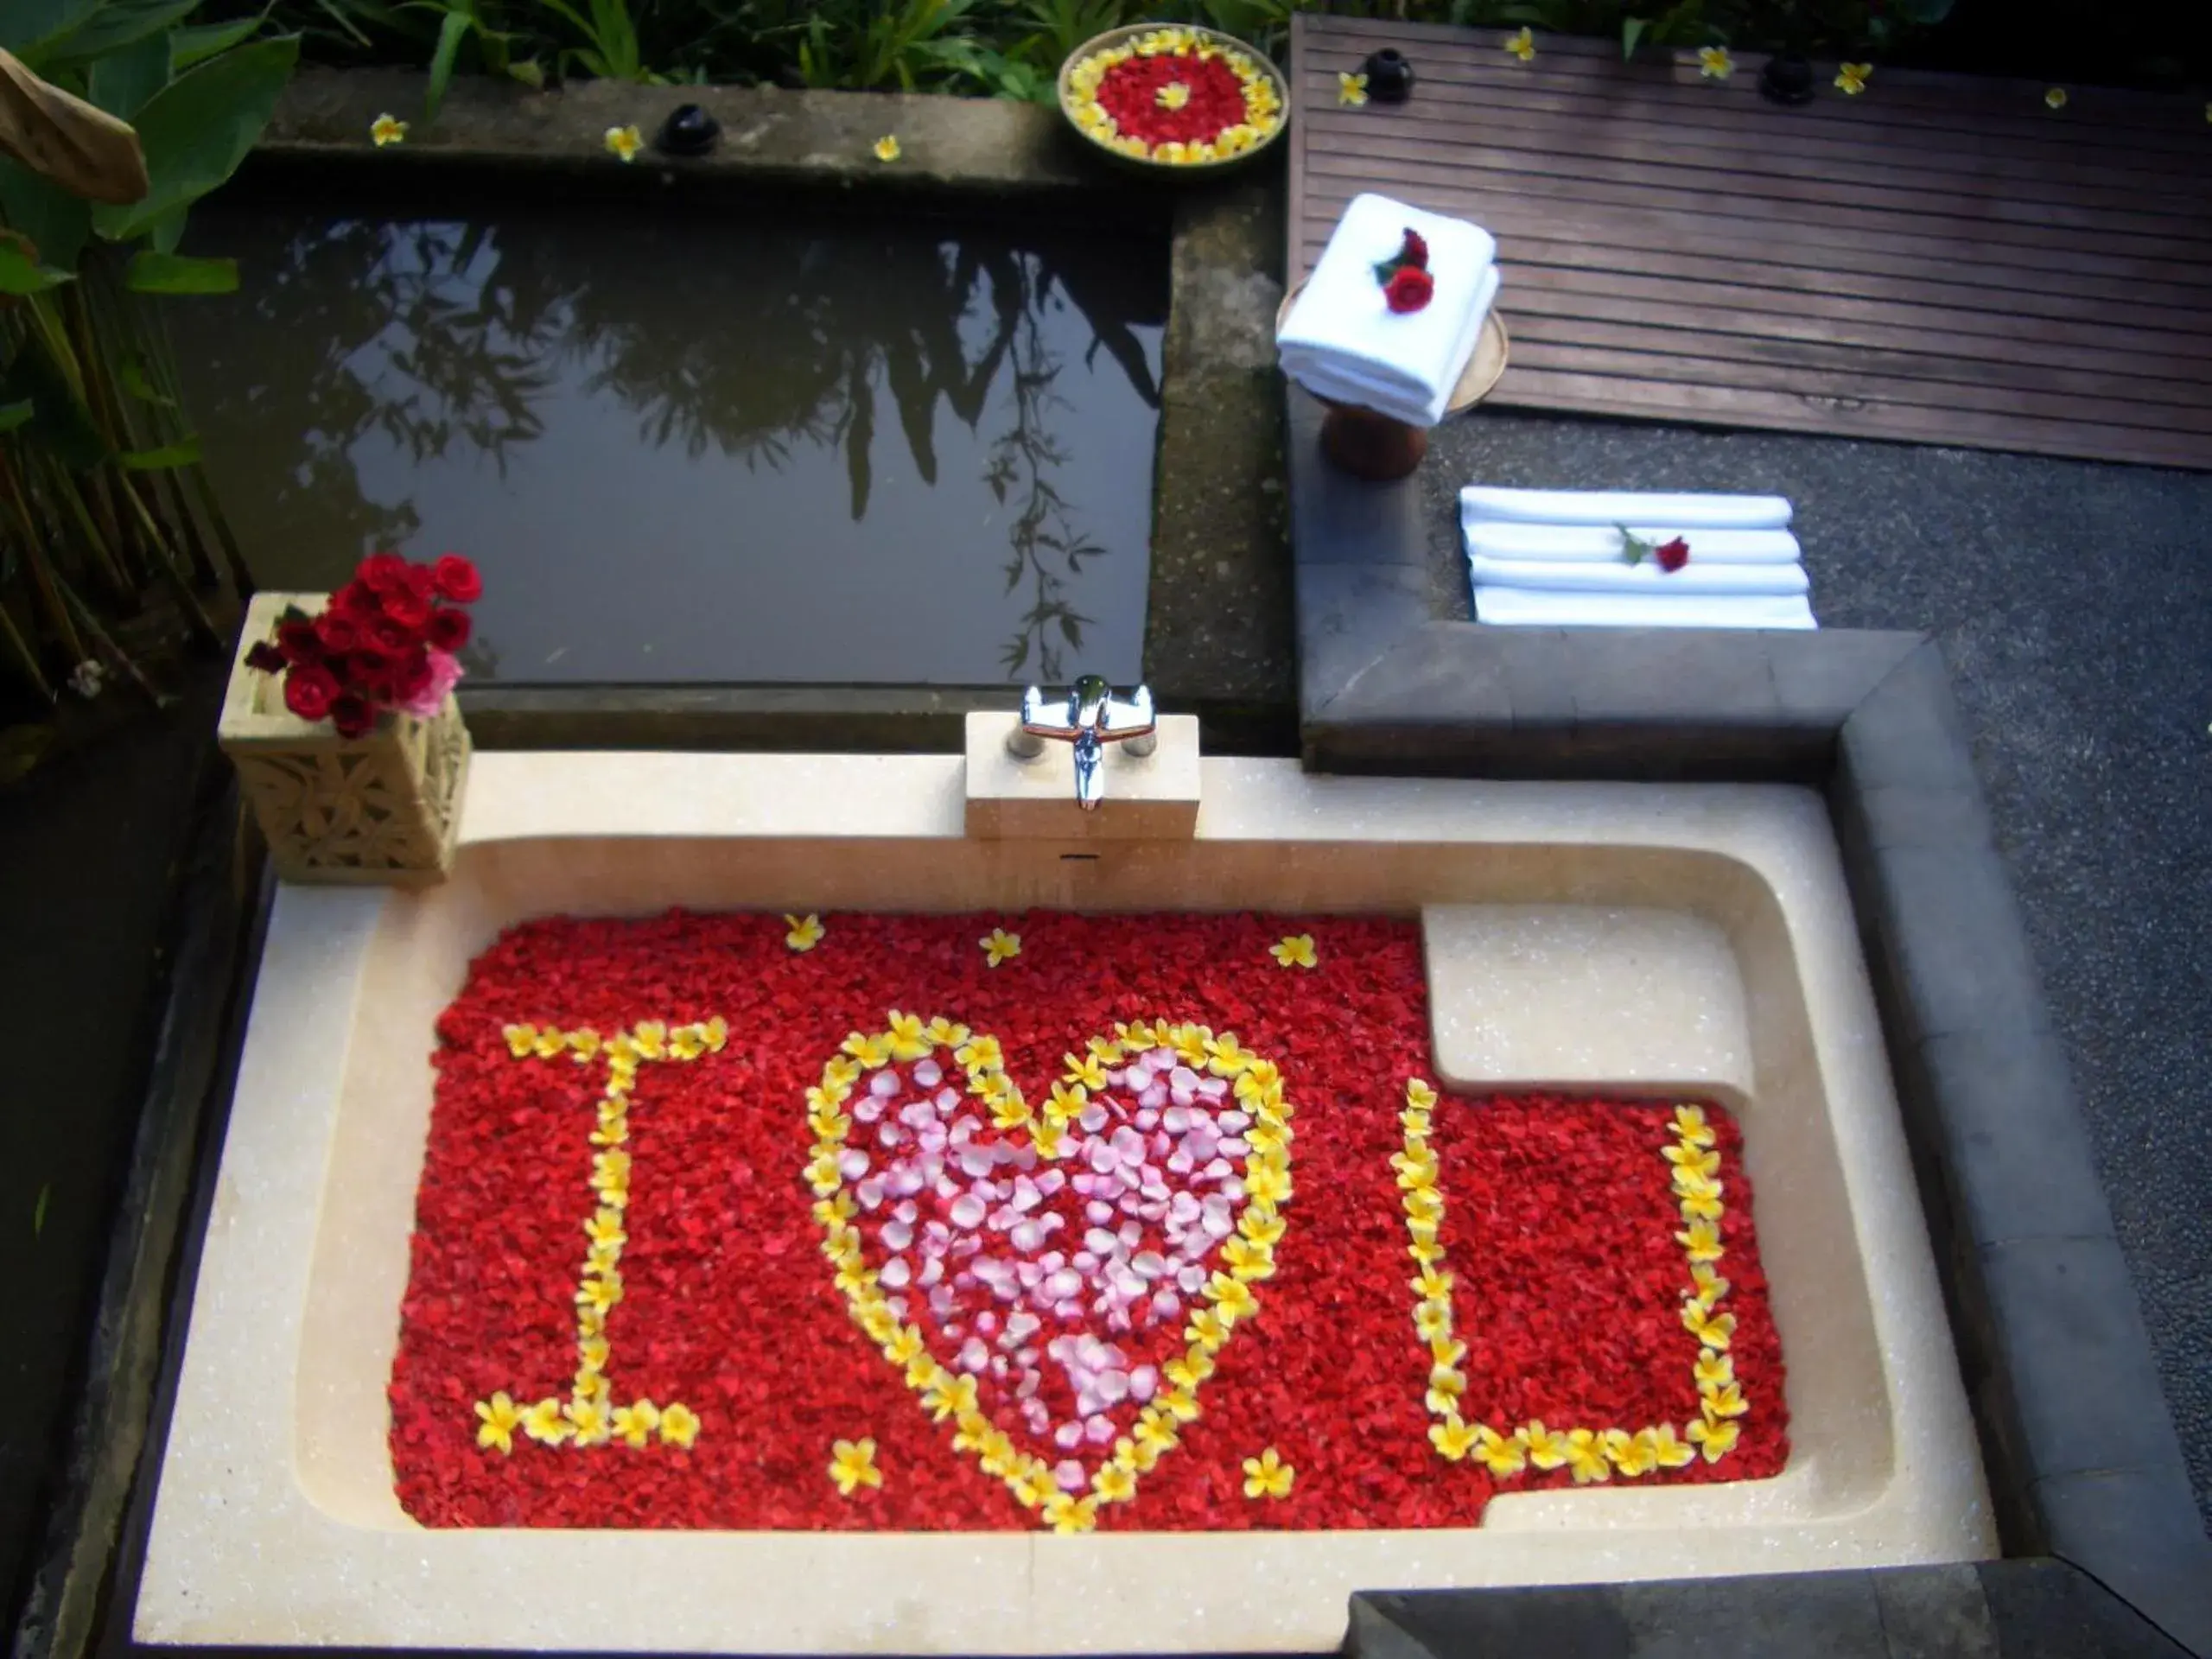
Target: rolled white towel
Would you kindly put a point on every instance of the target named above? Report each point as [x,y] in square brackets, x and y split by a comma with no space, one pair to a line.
[1687,511]
[1601,543]
[1589,577]
[1341,323]
[1550,609]
[1347,382]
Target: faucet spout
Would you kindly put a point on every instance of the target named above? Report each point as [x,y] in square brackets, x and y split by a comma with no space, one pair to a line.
[1089,715]
[1090,784]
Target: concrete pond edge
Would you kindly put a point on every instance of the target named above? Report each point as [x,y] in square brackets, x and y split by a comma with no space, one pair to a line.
[2083,1463]
[1218,532]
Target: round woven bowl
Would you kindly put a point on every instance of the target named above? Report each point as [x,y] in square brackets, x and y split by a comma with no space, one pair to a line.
[1113,37]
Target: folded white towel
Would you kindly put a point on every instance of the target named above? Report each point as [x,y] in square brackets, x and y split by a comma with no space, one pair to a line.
[1601,543]
[1589,577]
[1539,608]
[1341,324]
[1348,382]
[1686,511]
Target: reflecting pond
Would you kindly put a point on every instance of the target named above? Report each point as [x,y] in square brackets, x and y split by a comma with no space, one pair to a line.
[701,448]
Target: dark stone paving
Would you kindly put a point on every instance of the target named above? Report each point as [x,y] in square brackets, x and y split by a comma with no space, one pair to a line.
[2073,602]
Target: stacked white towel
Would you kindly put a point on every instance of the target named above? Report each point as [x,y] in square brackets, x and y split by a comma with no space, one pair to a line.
[1342,340]
[1553,558]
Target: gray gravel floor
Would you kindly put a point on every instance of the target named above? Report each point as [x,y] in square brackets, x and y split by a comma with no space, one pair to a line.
[2074,602]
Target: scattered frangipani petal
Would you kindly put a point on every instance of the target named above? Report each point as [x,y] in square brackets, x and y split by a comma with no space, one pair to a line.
[1295,950]
[1352,88]
[804,932]
[1715,63]
[852,1465]
[1850,78]
[1268,1475]
[1522,45]
[624,143]
[387,130]
[886,148]
[999,946]
[2055,100]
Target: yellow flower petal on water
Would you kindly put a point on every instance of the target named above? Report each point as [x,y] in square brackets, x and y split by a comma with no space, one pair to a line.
[1114,1484]
[1669,1452]
[999,946]
[1701,1161]
[1712,1330]
[1708,1285]
[1249,1262]
[593,1423]
[1226,1057]
[634,1423]
[909,1037]
[1713,1368]
[521,1039]
[1523,45]
[1296,951]
[1231,1297]
[546,1423]
[1089,1070]
[678,1426]
[624,142]
[1850,78]
[1724,1400]
[852,1465]
[2054,99]
[1421,1095]
[1262,1226]
[1207,1330]
[1546,1449]
[1715,63]
[498,1419]
[1266,1184]
[1351,89]
[1433,1319]
[1268,1475]
[1700,1242]
[1585,1458]
[1632,1454]
[1453,1438]
[387,130]
[1068,1513]
[1156,1430]
[804,932]
[980,1055]
[550,1043]
[1501,1454]
[1690,1124]
[1716,1438]
[1188,1370]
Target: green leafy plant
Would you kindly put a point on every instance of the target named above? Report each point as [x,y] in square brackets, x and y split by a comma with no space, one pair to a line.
[109,528]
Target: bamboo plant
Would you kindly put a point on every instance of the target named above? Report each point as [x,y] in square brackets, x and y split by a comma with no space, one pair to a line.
[115,117]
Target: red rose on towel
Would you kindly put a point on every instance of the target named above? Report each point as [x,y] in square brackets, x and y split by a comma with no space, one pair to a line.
[1408,289]
[1672,556]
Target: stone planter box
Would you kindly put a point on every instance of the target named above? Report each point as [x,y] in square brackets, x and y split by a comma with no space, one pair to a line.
[380,808]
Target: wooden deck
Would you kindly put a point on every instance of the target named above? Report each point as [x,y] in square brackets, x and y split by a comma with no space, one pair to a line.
[1940,260]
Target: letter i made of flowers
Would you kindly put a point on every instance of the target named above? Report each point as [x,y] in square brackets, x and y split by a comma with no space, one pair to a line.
[590,1417]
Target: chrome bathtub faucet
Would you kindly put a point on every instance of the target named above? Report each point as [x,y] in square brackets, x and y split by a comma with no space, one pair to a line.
[1089,715]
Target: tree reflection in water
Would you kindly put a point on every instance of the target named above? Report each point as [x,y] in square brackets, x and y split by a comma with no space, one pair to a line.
[753,346]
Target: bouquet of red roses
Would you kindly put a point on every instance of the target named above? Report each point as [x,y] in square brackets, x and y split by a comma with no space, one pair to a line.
[386,641]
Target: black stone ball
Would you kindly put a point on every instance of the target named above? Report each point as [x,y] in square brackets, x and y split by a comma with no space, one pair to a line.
[688,130]
[1389,77]
[1787,78]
